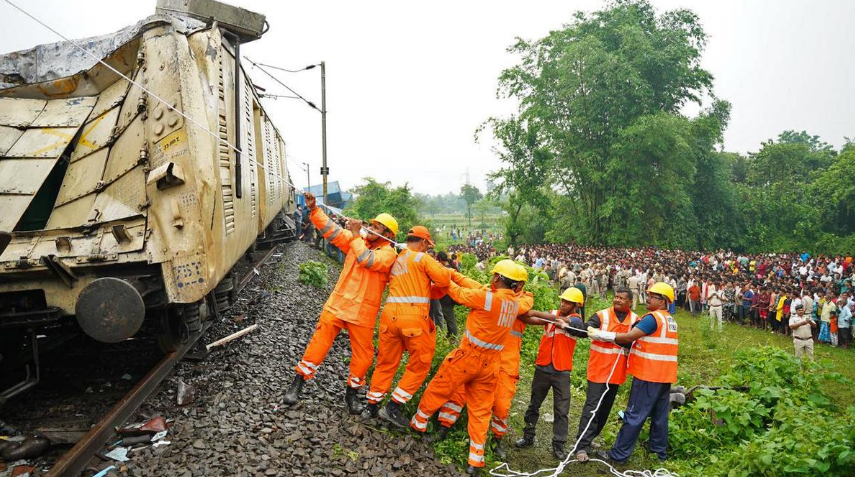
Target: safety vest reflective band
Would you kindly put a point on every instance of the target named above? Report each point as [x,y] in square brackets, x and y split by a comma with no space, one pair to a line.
[483,344]
[516,333]
[603,354]
[556,347]
[653,357]
[407,299]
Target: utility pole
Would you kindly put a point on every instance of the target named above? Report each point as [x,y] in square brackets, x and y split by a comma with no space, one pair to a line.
[324,169]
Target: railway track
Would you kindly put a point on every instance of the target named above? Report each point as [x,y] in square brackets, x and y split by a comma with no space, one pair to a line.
[73,462]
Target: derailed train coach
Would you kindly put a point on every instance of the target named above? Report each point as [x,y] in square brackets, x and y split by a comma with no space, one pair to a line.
[126,206]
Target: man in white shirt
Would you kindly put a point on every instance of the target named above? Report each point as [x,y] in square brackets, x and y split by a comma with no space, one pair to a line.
[715,301]
[801,325]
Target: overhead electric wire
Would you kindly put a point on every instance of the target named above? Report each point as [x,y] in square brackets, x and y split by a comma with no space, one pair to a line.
[260,67]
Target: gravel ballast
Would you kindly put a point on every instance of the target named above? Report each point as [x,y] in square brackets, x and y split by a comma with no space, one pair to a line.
[237,426]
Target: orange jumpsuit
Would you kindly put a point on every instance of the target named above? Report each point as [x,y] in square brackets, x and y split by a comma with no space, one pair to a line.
[474,365]
[406,325]
[353,304]
[509,376]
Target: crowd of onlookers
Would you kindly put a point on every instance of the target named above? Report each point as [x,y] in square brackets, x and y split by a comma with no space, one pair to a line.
[758,290]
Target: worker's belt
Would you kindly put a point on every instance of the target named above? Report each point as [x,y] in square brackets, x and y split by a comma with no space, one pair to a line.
[483,344]
[407,299]
[803,339]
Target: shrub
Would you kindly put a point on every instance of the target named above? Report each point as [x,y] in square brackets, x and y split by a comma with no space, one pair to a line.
[314,273]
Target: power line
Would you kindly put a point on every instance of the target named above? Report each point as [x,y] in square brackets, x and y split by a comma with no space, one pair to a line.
[287,70]
[256,65]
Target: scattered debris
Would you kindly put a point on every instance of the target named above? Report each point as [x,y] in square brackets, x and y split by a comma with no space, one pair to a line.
[186,393]
[127,377]
[105,471]
[29,448]
[153,426]
[232,336]
[119,454]
[63,436]
[23,471]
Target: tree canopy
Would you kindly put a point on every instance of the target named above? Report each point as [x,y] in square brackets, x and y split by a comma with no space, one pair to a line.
[601,149]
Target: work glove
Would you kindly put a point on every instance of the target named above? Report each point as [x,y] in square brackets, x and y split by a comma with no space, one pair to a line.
[595,334]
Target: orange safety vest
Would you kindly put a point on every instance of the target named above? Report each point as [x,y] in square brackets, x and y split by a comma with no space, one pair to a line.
[556,347]
[359,289]
[653,357]
[603,354]
[493,313]
[410,283]
[513,344]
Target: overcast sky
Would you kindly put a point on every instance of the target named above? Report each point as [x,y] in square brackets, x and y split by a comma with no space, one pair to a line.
[408,83]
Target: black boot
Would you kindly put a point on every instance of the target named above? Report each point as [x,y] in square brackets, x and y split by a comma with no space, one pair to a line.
[391,413]
[558,451]
[370,411]
[500,451]
[351,397]
[292,395]
[439,435]
[472,470]
[527,440]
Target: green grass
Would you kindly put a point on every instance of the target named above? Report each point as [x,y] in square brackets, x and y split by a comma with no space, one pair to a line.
[703,357]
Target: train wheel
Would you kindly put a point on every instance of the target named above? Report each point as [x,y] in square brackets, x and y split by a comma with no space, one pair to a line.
[172,331]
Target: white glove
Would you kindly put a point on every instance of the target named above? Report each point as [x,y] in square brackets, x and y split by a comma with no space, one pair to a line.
[607,336]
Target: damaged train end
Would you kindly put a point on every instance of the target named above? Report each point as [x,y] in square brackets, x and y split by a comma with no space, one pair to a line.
[126,204]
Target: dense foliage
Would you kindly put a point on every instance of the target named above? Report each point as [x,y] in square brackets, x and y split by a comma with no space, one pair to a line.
[601,153]
[779,424]
[374,197]
[314,273]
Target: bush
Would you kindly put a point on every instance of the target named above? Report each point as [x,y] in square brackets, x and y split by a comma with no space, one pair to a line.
[779,424]
[314,273]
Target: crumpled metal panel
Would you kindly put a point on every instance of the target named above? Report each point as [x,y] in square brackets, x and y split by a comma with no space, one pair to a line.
[110,97]
[96,134]
[63,113]
[20,113]
[57,60]
[82,177]
[124,198]
[23,176]
[42,142]
[72,214]
[11,205]
[125,152]
[8,137]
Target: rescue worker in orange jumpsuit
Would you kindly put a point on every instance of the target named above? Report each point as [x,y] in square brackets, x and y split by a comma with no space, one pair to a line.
[353,304]
[475,363]
[552,371]
[653,364]
[605,360]
[506,387]
[405,325]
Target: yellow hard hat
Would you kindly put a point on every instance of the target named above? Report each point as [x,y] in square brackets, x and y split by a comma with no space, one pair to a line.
[523,272]
[387,221]
[509,269]
[664,289]
[573,294]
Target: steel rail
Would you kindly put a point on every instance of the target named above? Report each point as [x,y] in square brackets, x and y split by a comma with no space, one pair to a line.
[73,462]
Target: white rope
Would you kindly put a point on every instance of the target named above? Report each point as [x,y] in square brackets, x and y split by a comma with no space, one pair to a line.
[504,470]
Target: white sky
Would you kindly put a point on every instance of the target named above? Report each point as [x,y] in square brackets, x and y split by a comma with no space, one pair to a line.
[408,83]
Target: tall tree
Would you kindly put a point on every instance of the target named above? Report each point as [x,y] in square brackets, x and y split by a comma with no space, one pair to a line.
[470,194]
[607,77]
[525,167]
